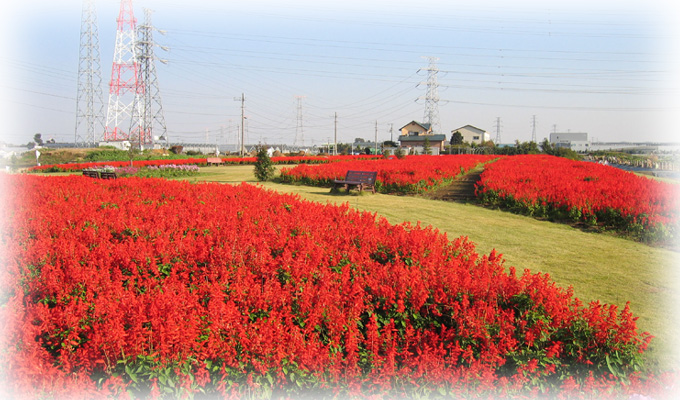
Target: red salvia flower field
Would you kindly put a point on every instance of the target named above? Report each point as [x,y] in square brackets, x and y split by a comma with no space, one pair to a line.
[411,174]
[147,287]
[548,186]
[197,161]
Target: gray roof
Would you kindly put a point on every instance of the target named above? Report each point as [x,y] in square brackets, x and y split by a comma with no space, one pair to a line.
[469,127]
[420,138]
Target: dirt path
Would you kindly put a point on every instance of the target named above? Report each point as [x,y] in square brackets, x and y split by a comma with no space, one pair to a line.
[462,190]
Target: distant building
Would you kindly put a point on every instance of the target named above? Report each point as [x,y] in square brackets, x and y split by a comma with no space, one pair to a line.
[472,134]
[414,128]
[577,141]
[414,135]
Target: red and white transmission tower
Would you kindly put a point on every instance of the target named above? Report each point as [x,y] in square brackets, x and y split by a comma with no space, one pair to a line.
[125,87]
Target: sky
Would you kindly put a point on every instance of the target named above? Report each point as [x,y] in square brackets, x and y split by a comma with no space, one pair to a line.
[514,69]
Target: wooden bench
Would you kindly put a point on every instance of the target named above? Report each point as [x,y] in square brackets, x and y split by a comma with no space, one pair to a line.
[90,173]
[99,174]
[108,175]
[214,161]
[358,179]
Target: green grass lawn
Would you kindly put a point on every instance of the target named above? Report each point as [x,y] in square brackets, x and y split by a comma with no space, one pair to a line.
[598,266]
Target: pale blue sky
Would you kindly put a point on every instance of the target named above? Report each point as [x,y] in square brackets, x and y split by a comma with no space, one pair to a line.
[606,68]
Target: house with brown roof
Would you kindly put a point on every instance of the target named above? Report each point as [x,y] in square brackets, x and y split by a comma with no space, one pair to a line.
[414,135]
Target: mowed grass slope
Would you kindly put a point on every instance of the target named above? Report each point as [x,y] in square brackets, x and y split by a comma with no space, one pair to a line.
[598,267]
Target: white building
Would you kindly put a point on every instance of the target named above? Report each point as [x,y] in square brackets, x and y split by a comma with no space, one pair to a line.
[472,134]
[577,141]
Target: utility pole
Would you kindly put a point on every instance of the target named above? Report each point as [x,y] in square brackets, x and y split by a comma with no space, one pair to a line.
[376,137]
[335,146]
[391,131]
[242,99]
[533,129]
[89,100]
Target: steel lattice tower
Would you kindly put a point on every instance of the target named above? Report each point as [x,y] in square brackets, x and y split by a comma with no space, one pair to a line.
[125,87]
[432,96]
[89,99]
[299,130]
[498,131]
[148,110]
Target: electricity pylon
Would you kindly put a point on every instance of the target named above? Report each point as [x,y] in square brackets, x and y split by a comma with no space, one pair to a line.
[148,110]
[89,99]
[299,129]
[125,87]
[498,131]
[432,96]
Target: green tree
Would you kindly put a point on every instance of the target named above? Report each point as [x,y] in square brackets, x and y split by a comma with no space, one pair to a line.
[456,138]
[264,168]
[566,152]
[344,148]
[526,147]
[133,150]
[546,147]
[37,138]
[427,149]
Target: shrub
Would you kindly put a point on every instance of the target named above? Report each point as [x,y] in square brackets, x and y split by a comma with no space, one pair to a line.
[264,168]
[176,149]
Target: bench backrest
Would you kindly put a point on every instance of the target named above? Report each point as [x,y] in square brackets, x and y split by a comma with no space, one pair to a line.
[108,175]
[361,176]
[213,160]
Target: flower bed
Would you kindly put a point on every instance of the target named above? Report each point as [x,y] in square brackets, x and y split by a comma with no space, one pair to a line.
[197,161]
[412,174]
[143,287]
[558,188]
[167,171]
[151,171]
